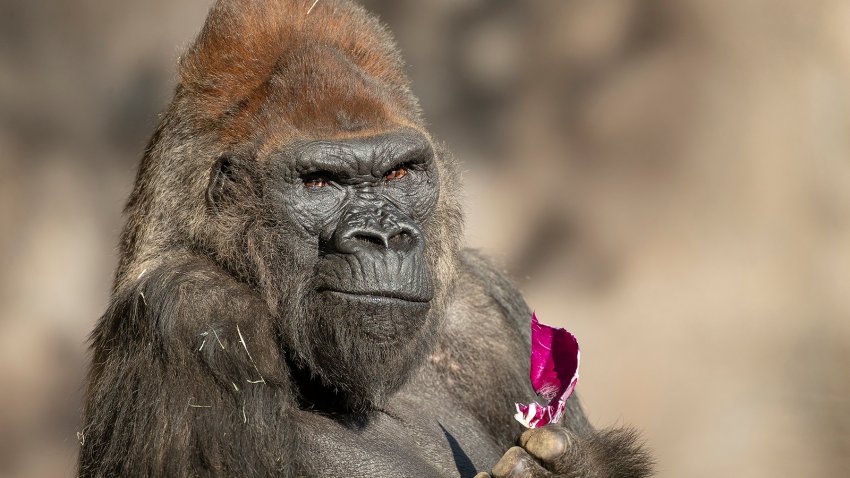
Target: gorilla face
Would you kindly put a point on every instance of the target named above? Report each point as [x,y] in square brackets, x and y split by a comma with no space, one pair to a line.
[343,232]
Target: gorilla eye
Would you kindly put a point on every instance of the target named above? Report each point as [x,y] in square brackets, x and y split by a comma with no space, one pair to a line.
[396,173]
[316,181]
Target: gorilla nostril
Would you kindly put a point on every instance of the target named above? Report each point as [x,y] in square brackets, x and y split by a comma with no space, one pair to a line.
[370,239]
[402,241]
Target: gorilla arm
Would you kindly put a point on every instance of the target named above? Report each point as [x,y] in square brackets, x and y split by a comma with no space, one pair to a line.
[571,448]
[186,380]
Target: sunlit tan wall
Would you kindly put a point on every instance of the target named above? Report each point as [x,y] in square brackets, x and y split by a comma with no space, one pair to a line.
[669,179]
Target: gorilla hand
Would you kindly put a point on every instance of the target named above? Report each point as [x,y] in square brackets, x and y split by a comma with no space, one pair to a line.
[553,451]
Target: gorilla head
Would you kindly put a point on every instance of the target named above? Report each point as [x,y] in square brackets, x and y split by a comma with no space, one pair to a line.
[312,178]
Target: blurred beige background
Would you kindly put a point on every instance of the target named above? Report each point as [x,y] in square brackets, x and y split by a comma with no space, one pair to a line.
[669,179]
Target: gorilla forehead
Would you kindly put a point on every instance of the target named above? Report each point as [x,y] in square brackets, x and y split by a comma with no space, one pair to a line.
[343,96]
[344,102]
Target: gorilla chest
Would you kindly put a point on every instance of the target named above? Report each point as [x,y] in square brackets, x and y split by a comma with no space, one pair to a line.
[413,438]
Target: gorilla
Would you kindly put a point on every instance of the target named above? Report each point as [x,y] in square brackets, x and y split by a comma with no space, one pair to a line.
[292,297]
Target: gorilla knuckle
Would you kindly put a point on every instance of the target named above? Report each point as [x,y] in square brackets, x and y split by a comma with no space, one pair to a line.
[515,463]
[547,443]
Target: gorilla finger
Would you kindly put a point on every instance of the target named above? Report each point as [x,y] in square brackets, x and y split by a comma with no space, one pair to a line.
[548,444]
[516,463]
[559,450]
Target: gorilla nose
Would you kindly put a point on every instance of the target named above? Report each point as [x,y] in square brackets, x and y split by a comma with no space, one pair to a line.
[398,238]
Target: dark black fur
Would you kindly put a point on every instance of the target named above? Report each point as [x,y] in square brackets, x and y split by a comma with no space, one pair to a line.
[286,306]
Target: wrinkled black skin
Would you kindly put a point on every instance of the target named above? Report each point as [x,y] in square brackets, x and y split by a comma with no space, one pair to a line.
[261,326]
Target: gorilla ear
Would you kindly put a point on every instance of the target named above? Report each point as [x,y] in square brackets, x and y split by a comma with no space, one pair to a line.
[222,178]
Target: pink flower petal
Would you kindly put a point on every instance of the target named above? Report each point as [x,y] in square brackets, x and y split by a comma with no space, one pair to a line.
[554,374]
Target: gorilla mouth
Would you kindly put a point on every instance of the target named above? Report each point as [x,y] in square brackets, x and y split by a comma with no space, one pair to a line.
[380,296]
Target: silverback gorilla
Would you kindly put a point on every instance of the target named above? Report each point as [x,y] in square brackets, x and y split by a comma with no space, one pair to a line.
[292,298]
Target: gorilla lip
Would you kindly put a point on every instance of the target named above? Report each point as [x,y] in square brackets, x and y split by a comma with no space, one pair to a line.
[554,373]
[380,296]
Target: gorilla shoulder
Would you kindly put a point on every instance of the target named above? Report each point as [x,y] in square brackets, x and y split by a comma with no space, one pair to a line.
[495,284]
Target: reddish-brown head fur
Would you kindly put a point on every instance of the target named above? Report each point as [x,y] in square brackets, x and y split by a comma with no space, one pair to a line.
[255,61]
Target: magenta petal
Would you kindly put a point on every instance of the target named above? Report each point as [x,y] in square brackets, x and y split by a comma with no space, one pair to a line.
[554,373]
[554,359]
